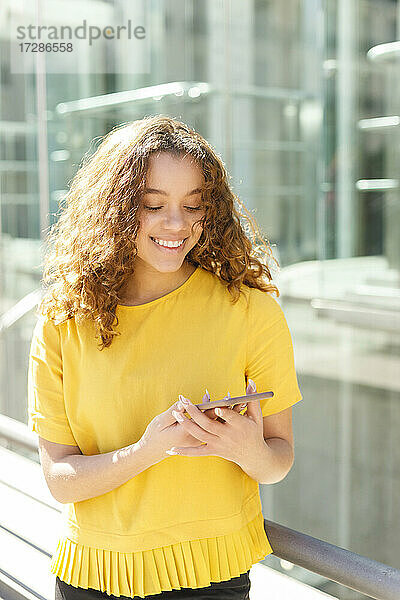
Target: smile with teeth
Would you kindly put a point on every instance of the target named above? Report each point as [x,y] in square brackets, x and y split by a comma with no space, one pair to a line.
[168,244]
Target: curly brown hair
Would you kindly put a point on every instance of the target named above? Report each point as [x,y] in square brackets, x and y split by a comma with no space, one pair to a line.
[88,258]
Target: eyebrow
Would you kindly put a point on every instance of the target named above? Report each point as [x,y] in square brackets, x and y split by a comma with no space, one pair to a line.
[164,193]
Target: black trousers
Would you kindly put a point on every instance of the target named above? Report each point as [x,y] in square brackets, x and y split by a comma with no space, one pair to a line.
[237,588]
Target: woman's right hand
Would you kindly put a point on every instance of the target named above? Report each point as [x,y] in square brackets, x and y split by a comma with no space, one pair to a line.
[164,431]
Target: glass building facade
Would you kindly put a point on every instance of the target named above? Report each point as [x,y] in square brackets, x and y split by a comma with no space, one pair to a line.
[301,100]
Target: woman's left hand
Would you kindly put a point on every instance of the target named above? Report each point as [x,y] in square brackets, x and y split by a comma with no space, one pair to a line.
[234,439]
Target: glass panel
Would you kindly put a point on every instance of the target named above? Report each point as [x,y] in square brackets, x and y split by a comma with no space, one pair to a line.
[301,101]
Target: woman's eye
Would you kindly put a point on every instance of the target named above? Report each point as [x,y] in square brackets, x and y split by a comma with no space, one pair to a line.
[158,207]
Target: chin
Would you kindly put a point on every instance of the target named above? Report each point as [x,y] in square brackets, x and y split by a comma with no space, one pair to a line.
[166,267]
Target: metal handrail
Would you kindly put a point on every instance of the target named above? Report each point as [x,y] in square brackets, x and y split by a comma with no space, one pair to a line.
[352,570]
[14,431]
[384,52]
[20,309]
[379,123]
[357,314]
[376,185]
[190,89]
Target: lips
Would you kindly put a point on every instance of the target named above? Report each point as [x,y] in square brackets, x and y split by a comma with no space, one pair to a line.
[177,249]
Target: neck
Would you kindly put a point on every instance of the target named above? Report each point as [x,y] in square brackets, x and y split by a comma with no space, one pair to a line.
[147,284]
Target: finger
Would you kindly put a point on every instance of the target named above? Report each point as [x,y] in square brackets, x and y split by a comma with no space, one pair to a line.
[233,408]
[228,397]
[167,417]
[254,411]
[179,406]
[210,413]
[203,450]
[190,425]
[251,387]
[239,407]
[226,413]
[193,429]
[198,419]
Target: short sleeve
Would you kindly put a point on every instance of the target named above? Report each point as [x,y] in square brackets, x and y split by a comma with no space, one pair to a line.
[270,355]
[46,409]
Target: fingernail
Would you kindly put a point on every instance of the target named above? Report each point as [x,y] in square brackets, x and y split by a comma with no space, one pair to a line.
[178,416]
[218,411]
[253,385]
[242,406]
[183,399]
[170,452]
[208,394]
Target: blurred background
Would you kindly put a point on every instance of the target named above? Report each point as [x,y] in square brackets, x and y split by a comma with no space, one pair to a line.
[301,100]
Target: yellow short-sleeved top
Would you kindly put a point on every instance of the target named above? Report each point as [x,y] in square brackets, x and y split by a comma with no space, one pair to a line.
[185,521]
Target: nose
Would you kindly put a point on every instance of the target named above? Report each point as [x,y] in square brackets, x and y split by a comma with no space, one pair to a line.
[175,219]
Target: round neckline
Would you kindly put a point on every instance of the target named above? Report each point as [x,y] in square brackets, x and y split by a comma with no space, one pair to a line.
[166,296]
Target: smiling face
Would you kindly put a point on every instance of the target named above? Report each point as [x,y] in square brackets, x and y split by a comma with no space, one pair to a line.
[172,202]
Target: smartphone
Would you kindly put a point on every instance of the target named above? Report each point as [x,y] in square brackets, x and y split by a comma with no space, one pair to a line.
[236,400]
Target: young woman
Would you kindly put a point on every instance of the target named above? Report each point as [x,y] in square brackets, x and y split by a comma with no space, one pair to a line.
[150,257]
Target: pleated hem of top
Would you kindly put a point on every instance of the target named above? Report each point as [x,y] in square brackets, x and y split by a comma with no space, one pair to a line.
[189,564]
